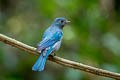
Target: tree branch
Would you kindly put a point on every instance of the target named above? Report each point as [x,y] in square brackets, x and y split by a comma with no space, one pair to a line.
[59,60]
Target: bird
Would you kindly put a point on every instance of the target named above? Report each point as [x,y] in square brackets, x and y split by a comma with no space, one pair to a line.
[51,42]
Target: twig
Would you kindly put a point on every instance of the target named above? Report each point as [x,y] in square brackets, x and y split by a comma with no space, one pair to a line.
[59,60]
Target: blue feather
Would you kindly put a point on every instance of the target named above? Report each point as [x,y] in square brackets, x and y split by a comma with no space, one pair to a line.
[50,41]
[40,63]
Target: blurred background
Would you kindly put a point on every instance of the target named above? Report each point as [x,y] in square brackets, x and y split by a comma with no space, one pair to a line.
[92,37]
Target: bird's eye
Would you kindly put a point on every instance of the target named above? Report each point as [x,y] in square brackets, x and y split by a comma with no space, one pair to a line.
[62,21]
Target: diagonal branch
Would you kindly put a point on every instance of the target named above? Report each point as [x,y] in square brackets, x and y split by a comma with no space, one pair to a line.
[61,61]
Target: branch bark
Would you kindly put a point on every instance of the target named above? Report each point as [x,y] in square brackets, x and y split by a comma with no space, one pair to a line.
[58,60]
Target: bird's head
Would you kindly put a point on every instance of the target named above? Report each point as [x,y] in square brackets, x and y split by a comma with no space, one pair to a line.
[60,22]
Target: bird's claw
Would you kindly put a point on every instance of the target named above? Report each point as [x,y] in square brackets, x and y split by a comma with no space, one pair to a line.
[53,54]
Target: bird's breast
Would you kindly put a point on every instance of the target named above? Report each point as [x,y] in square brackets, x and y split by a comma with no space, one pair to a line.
[56,46]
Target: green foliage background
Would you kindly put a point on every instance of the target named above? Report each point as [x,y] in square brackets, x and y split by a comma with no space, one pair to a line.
[92,37]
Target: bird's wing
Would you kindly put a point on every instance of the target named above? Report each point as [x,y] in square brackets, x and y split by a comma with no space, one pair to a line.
[50,41]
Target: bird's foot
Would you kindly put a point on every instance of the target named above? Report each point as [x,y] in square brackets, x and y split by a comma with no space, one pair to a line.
[53,54]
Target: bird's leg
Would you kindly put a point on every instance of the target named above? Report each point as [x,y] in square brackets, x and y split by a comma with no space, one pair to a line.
[53,53]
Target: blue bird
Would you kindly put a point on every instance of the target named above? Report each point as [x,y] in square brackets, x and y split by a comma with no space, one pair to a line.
[50,43]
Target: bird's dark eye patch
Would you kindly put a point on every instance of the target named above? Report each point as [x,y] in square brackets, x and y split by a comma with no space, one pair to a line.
[62,21]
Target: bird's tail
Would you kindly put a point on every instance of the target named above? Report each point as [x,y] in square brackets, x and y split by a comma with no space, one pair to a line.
[40,63]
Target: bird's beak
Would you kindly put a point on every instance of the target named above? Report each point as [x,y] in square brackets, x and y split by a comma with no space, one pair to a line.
[66,22]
